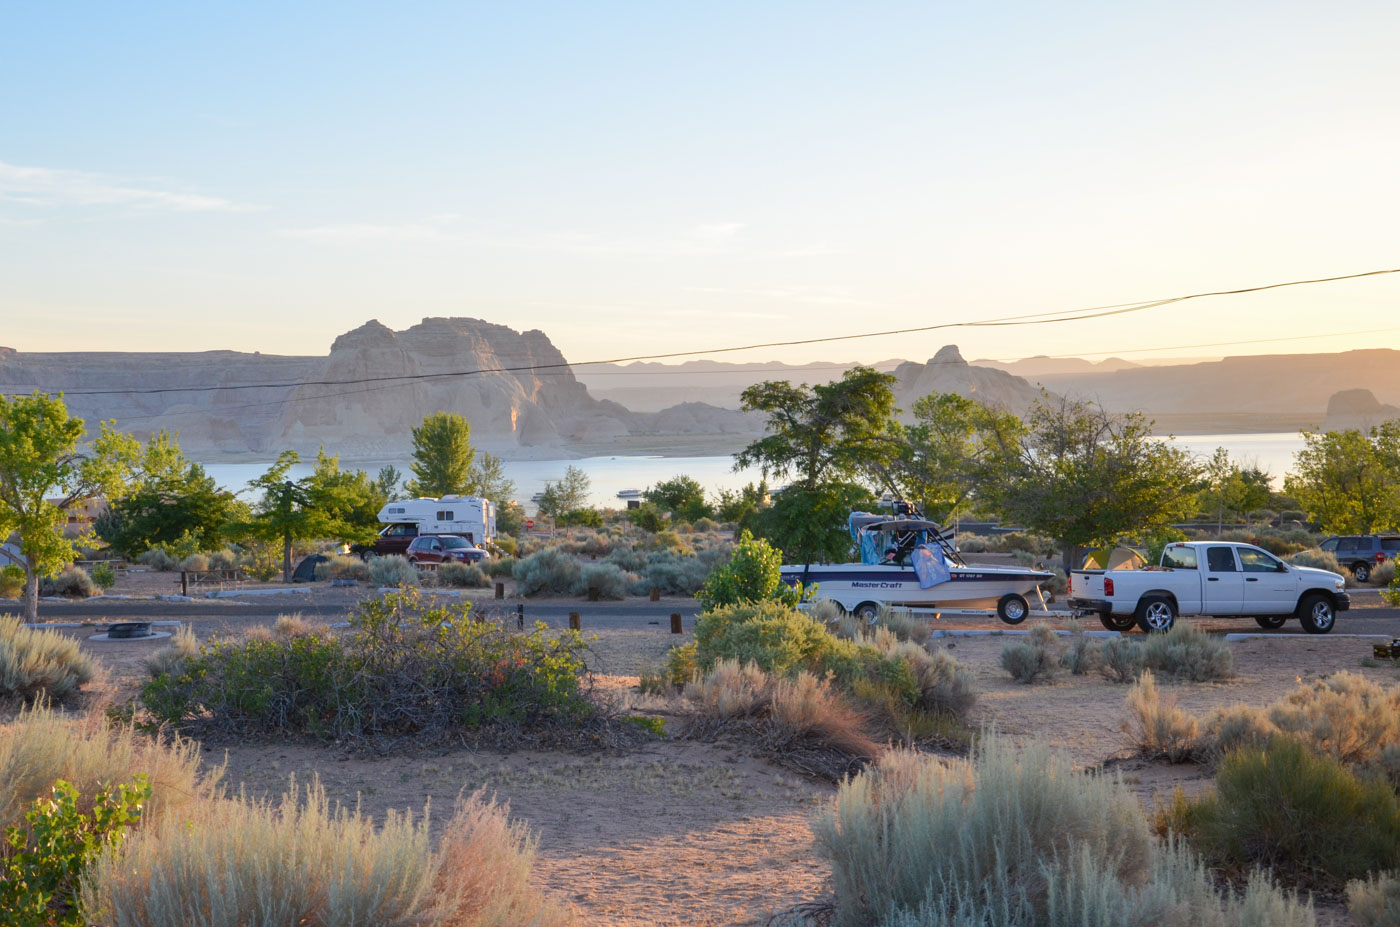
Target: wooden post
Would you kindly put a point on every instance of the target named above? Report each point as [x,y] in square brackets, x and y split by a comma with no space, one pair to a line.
[676,623]
[184,584]
[500,590]
[655,594]
[520,615]
[593,595]
[575,623]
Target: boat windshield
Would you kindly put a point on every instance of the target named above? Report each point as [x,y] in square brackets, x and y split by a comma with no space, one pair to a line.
[884,540]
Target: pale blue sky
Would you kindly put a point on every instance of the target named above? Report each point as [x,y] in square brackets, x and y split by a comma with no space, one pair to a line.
[635,177]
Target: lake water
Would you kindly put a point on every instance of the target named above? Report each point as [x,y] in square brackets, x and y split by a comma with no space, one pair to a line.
[611,475]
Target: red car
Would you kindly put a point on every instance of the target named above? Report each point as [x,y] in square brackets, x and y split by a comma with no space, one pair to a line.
[443,548]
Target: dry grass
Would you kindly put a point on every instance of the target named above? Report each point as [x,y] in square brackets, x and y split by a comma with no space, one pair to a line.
[42,745]
[249,864]
[1157,726]
[171,657]
[1375,900]
[40,664]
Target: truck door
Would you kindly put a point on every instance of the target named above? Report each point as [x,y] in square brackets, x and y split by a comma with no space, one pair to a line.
[1224,586]
[1269,588]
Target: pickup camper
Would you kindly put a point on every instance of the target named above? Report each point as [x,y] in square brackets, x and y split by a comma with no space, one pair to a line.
[471,517]
[1211,578]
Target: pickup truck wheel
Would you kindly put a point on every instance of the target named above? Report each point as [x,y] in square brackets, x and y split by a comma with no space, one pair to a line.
[1361,570]
[1012,608]
[1119,623]
[1270,622]
[1317,614]
[867,611]
[1155,613]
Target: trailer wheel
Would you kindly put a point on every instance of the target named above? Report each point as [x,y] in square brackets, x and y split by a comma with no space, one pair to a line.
[1155,613]
[1013,608]
[1120,623]
[1270,622]
[867,611]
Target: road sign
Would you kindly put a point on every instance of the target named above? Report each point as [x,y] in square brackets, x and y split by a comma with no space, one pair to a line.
[529,523]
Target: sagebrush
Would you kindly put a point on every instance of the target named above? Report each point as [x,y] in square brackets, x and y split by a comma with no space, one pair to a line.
[37,664]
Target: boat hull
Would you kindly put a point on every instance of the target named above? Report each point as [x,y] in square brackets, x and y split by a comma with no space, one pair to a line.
[853,584]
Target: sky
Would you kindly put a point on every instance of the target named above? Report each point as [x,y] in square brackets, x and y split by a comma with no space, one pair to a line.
[636,178]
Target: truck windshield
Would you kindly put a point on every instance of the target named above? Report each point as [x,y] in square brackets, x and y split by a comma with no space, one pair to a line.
[1179,558]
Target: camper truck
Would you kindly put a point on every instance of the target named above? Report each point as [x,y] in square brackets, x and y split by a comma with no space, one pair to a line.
[471,517]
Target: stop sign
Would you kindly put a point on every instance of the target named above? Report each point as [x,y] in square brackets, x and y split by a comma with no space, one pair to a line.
[529,523]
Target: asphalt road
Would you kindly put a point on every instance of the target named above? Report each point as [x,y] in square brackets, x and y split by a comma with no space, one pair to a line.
[1366,617]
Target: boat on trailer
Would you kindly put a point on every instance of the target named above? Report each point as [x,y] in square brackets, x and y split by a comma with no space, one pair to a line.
[911,563]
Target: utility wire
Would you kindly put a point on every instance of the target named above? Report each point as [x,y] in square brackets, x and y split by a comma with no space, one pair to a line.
[1043,318]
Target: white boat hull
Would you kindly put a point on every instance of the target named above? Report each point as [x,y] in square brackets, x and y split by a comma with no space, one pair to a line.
[853,584]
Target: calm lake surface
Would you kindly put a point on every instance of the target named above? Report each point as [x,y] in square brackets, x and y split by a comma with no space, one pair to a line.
[611,475]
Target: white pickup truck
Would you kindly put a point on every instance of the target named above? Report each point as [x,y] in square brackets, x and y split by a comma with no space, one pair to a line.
[1210,578]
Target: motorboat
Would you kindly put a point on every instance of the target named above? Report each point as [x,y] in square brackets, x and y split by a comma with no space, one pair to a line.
[908,562]
[630,494]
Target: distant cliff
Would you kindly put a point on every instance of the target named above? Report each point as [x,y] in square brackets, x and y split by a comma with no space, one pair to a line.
[362,399]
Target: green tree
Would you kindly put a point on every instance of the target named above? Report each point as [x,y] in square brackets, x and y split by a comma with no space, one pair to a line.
[824,437]
[297,510]
[171,501]
[736,505]
[1229,488]
[682,496]
[950,449]
[1349,481]
[442,456]
[488,479]
[1087,477]
[349,499]
[389,482]
[751,575]
[43,475]
[561,497]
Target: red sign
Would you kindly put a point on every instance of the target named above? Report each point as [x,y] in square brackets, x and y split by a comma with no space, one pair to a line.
[529,523]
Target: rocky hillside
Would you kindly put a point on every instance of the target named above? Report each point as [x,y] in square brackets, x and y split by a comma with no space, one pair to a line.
[362,399]
[947,372]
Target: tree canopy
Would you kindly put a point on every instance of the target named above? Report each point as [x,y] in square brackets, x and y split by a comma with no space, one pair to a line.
[442,456]
[1349,481]
[682,496]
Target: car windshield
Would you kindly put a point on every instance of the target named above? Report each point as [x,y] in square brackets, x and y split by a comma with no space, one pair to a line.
[454,543]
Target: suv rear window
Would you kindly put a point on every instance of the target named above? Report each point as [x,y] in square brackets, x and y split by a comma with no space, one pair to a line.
[1390,543]
[1179,558]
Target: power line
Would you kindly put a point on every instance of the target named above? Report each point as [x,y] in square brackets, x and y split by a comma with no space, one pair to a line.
[1071,315]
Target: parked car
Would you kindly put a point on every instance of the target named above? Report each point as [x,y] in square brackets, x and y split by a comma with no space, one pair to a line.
[1211,578]
[443,548]
[1361,553]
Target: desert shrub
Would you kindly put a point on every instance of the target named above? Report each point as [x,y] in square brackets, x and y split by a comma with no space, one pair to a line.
[1187,652]
[1120,659]
[1016,837]
[974,544]
[11,581]
[1345,716]
[462,575]
[1302,813]
[1318,559]
[547,572]
[1021,541]
[1391,593]
[627,558]
[504,567]
[905,624]
[72,582]
[1081,656]
[171,658]
[730,690]
[1375,900]
[1035,657]
[223,560]
[1157,726]
[706,524]
[104,576]
[43,862]
[306,862]
[604,581]
[1234,728]
[405,668]
[40,746]
[195,562]
[158,560]
[508,545]
[1383,573]
[779,639]
[671,574]
[392,571]
[751,575]
[339,566]
[294,625]
[40,664]
[944,685]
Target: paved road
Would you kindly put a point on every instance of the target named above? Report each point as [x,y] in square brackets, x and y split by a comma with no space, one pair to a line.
[1368,618]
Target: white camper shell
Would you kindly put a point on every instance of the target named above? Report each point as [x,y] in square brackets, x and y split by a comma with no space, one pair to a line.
[472,517]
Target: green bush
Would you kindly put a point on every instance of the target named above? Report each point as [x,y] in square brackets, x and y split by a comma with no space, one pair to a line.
[1081,656]
[604,581]
[1391,593]
[1121,659]
[751,575]
[669,573]
[158,560]
[776,637]
[37,664]
[44,862]
[547,572]
[339,566]
[1036,657]
[195,562]
[1187,652]
[104,576]
[1017,837]
[1303,814]
[504,567]
[72,582]
[223,560]
[405,669]
[462,575]
[393,570]
[11,581]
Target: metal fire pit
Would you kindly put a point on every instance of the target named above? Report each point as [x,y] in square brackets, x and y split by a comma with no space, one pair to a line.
[129,630]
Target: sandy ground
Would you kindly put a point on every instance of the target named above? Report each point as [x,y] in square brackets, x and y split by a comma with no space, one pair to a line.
[699,834]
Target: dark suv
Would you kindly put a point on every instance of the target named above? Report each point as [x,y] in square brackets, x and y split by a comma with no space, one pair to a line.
[1360,553]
